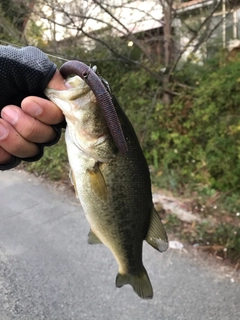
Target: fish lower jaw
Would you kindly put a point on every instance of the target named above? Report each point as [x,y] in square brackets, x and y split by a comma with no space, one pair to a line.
[100,140]
[86,143]
[84,148]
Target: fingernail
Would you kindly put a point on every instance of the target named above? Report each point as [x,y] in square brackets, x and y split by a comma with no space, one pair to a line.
[10,115]
[3,131]
[36,109]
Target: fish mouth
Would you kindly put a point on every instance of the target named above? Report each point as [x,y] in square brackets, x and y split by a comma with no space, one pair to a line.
[60,97]
[104,99]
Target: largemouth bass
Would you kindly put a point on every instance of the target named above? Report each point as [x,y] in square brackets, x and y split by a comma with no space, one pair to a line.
[114,188]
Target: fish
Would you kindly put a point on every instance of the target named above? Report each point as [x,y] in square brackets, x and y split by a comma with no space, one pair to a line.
[114,188]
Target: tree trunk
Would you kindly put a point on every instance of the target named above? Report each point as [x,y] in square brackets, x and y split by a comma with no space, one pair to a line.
[167,38]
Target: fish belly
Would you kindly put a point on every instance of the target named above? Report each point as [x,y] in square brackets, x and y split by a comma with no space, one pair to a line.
[113,210]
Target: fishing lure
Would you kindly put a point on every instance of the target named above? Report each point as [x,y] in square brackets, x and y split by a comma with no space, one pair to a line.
[104,99]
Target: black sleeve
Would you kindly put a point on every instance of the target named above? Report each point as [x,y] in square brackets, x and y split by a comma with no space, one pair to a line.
[24,72]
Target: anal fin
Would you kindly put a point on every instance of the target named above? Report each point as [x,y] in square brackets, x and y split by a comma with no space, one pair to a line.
[93,239]
[156,235]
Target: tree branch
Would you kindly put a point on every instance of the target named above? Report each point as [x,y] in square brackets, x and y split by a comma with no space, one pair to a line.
[175,63]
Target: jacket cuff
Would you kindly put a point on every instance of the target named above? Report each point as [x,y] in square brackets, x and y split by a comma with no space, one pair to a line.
[15,162]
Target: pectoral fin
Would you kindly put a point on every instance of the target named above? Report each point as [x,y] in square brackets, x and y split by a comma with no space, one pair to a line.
[97,183]
[93,239]
[156,235]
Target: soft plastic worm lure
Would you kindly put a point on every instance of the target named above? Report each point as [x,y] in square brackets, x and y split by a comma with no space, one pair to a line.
[103,97]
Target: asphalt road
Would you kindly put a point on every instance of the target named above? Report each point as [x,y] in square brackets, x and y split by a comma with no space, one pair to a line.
[48,271]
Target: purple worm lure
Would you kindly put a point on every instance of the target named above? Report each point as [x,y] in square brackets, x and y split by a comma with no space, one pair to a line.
[103,97]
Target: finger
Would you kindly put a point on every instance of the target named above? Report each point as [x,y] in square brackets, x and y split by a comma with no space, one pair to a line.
[42,109]
[5,157]
[28,127]
[12,142]
[58,82]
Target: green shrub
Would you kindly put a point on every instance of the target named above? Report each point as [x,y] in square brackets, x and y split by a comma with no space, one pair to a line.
[54,163]
[198,136]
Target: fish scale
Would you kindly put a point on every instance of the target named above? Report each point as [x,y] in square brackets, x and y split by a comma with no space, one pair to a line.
[114,188]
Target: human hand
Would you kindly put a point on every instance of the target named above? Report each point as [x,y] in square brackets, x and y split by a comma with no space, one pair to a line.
[24,74]
[21,128]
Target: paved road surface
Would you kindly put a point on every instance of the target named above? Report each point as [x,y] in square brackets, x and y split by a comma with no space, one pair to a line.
[48,271]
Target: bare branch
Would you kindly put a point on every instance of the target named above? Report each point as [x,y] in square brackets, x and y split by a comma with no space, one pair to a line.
[129,33]
[208,33]
[205,21]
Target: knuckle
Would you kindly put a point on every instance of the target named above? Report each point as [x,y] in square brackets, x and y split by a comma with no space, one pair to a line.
[37,132]
[31,131]
[4,130]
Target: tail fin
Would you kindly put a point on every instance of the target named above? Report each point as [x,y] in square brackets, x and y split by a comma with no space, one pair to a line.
[140,283]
